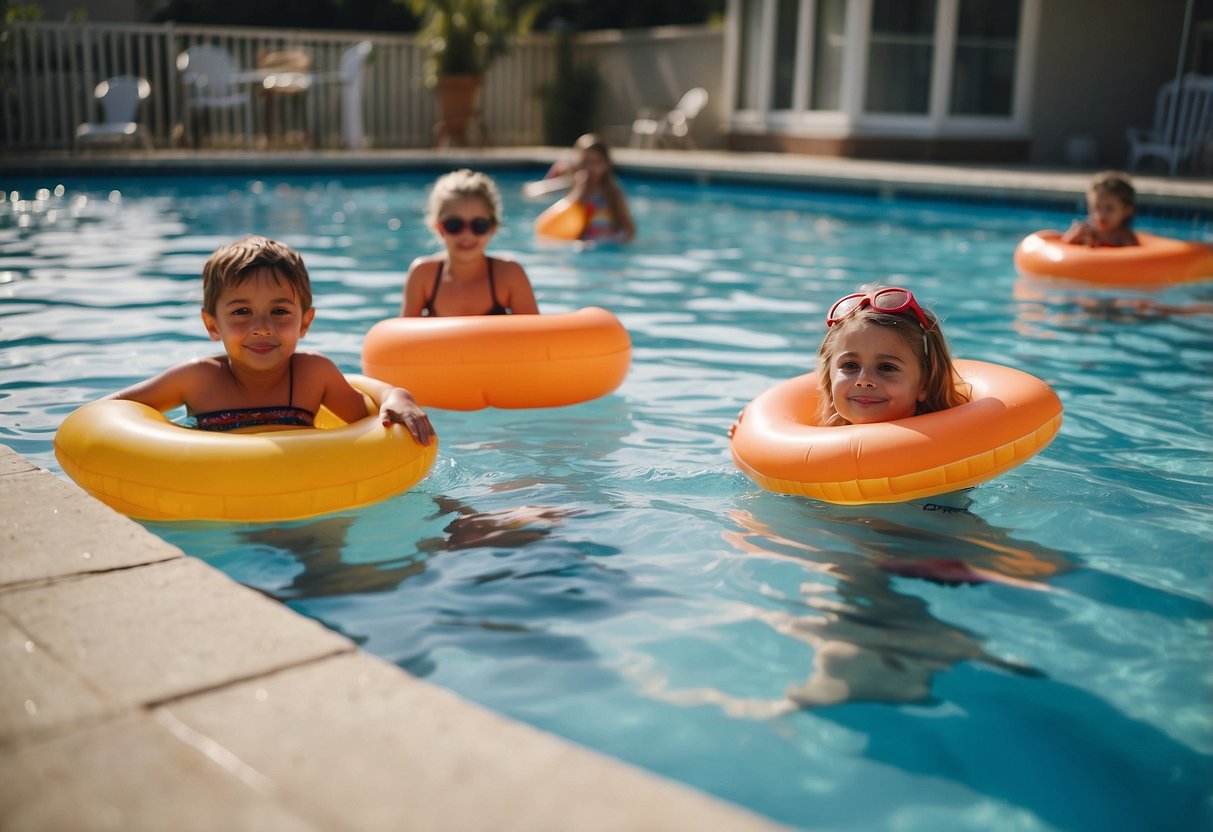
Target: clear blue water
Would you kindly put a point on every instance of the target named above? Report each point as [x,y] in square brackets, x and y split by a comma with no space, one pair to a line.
[604,572]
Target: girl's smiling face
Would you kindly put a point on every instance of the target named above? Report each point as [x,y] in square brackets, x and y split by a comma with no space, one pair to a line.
[466,242]
[874,375]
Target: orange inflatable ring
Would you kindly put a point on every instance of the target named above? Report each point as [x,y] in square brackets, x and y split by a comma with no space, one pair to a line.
[132,458]
[1011,416]
[509,361]
[563,220]
[1155,261]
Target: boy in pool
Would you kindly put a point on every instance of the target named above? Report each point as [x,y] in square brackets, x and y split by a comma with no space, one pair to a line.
[464,211]
[1111,203]
[884,357]
[257,301]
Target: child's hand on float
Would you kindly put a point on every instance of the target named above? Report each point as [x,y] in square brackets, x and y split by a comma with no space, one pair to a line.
[399,408]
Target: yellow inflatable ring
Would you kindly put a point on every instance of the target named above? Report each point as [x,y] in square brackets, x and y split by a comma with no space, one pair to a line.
[777,442]
[1156,261]
[509,361]
[563,220]
[133,459]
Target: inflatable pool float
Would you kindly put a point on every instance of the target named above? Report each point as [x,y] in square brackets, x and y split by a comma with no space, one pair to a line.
[1155,261]
[132,458]
[508,361]
[1010,417]
[563,220]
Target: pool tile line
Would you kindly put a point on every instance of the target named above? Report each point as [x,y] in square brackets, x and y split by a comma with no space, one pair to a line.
[1020,184]
[161,694]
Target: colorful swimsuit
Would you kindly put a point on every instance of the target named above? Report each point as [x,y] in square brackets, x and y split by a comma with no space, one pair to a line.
[252,417]
[600,222]
[495,309]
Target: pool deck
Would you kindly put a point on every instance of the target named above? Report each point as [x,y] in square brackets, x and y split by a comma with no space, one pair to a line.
[144,690]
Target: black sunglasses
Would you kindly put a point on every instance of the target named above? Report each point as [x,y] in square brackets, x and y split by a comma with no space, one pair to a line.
[480,226]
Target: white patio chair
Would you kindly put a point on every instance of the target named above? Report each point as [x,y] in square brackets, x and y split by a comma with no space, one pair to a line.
[671,128]
[1183,125]
[349,76]
[119,98]
[214,82]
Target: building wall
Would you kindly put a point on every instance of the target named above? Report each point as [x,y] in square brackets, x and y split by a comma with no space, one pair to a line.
[1098,70]
[652,69]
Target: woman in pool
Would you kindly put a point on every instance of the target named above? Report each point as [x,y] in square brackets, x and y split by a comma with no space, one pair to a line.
[464,211]
[883,357]
[257,301]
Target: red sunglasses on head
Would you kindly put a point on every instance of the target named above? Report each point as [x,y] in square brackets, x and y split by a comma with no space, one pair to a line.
[455,225]
[890,300]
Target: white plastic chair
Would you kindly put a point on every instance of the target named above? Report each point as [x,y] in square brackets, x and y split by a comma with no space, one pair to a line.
[214,82]
[120,98]
[1183,124]
[673,127]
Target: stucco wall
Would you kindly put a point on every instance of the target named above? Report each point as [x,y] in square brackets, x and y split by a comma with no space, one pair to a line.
[1098,69]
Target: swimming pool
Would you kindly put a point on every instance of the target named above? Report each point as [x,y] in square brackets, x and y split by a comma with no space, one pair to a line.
[604,572]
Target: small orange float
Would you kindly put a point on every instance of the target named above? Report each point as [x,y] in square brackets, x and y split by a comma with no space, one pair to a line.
[1010,417]
[509,361]
[563,220]
[1155,260]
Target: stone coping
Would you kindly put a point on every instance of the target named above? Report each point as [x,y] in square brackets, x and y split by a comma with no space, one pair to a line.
[143,689]
[1020,183]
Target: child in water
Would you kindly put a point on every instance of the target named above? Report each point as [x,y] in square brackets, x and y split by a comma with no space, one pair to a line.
[257,301]
[1111,203]
[884,357]
[595,187]
[464,211]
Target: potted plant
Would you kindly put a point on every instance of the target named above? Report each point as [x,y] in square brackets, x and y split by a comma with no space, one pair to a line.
[463,38]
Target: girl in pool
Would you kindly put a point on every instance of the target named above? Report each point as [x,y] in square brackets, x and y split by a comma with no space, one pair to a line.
[464,211]
[595,187]
[884,357]
[257,301]
[1111,203]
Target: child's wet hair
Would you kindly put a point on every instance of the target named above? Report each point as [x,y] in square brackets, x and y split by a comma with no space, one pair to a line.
[233,263]
[928,346]
[464,184]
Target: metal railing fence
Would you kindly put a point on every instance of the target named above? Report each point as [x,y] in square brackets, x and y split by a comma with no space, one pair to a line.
[48,72]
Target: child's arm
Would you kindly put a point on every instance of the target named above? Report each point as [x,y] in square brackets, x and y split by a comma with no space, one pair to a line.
[172,388]
[396,404]
[416,288]
[623,217]
[1079,233]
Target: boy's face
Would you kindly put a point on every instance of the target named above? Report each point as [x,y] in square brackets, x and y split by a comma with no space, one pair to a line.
[259,320]
[1107,212]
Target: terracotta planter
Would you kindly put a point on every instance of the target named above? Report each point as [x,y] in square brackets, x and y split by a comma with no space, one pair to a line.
[458,107]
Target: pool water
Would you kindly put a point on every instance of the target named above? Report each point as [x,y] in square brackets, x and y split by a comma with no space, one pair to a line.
[604,572]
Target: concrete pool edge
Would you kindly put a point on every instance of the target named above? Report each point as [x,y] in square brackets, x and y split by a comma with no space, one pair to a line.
[1012,183]
[146,690]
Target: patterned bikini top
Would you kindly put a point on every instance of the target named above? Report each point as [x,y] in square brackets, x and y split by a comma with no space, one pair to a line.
[256,417]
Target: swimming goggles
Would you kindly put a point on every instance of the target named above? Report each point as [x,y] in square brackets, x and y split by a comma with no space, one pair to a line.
[890,300]
[480,226]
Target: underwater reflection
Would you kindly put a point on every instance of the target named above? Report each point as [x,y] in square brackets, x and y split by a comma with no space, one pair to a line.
[871,642]
[318,546]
